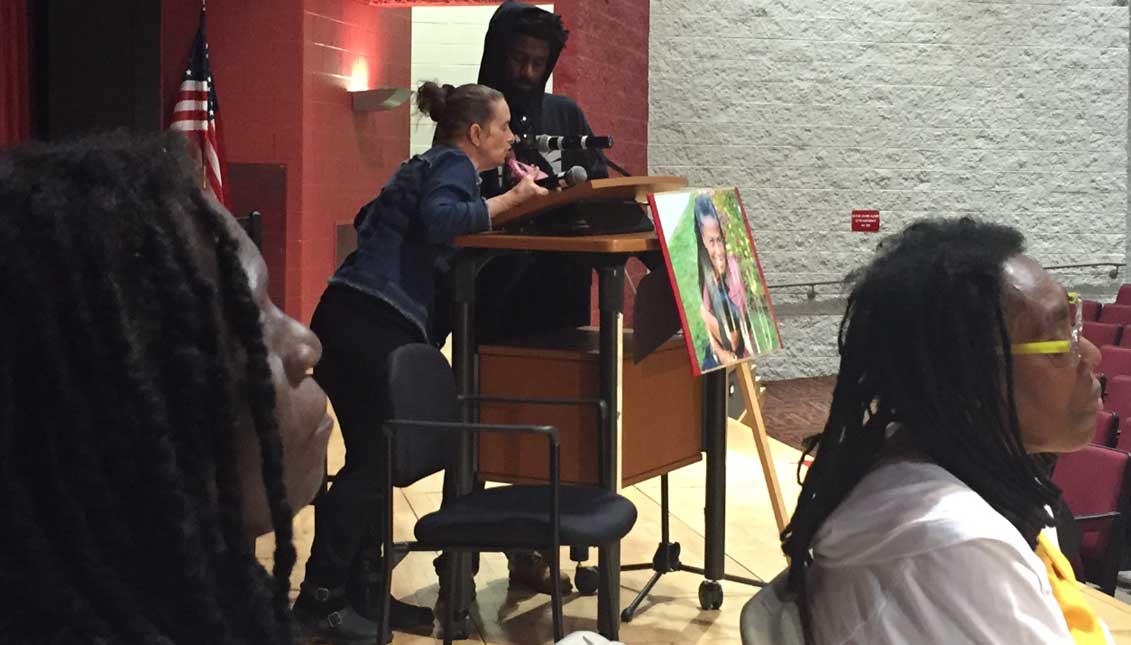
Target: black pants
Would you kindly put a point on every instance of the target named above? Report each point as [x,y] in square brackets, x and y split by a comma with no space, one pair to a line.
[358,333]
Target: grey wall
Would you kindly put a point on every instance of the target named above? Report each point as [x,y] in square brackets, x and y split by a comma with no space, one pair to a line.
[1012,111]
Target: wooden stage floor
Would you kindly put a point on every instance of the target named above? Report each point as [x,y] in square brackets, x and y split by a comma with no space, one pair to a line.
[671,614]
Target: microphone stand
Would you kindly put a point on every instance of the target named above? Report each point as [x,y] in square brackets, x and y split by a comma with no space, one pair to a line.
[610,163]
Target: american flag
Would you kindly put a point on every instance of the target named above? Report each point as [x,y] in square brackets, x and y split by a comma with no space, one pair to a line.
[194,113]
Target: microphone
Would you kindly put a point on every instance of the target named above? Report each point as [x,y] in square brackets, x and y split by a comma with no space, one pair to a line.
[571,177]
[546,143]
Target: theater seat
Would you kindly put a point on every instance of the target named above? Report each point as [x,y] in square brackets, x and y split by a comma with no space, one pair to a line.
[1103,333]
[1094,482]
[1115,313]
[1107,428]
[1091,310]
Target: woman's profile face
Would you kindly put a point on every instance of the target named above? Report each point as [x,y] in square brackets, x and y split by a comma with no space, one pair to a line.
[716,247]
[496,138]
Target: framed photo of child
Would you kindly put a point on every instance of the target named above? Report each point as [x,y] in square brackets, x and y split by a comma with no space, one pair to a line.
[716,277]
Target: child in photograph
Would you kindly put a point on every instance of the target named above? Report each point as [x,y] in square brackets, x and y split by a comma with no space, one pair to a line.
[723,305]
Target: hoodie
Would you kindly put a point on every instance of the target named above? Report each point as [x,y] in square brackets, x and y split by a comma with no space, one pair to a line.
[518,295]
[532,112]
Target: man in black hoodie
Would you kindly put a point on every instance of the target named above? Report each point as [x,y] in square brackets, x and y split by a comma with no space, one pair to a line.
[522,294]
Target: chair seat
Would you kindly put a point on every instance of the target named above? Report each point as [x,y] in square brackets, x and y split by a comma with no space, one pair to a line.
[518,516]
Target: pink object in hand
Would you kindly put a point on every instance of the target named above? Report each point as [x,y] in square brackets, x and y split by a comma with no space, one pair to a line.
[520,170]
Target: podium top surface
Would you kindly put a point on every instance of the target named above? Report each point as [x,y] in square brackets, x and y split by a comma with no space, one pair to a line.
[619,243]
[635,188]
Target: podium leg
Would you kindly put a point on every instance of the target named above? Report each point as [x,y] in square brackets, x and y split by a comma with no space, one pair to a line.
[465,365]
[715,445]
[610,289]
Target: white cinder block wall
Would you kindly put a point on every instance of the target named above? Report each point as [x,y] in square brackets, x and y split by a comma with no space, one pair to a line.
[447,45]
[1014,111]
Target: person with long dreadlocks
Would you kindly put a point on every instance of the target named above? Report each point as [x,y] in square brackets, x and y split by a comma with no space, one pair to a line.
[156,411]
[923,516]
[720,285]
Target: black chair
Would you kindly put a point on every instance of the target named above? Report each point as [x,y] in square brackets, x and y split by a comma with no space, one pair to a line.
[426,408]
[252,224]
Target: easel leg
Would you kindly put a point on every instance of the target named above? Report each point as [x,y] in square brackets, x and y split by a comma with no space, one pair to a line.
[762,443]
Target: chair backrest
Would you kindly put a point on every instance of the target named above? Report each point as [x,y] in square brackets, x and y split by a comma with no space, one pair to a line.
[1117,396]
[1093,482]
[1123,438]
[1124,295]
[1115,361]
[1091,310]
[1103,333]
[1107,424]
[422,387]
[1125,336]
[1115,313]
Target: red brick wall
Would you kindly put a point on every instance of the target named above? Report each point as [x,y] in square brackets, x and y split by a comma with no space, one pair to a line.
[253,48]
[608,41]
[282,70]
[348,155]
[605,69]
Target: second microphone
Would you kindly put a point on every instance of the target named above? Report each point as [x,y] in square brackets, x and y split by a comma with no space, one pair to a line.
[571,177]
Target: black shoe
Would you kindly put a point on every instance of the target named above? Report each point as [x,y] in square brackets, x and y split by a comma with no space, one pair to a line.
[440,565]
[326,613]
[530,570]
[365,595]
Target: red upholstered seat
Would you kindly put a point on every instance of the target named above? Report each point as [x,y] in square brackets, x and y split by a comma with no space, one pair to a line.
[1094,484]
[1115,313]
[1107,424]
[1091,310]
[1124,295]
[1115,361]
[1103,333]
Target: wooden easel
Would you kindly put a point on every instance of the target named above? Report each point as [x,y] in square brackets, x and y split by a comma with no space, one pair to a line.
[761,441]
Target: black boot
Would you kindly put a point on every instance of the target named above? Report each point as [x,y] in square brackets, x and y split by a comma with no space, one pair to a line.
[326,613]
[365,594]
[531,570]
[440,564]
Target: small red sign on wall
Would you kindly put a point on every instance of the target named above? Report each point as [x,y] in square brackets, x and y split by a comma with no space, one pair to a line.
[865,221]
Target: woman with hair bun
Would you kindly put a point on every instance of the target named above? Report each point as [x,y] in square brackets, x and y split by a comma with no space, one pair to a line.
[384,296]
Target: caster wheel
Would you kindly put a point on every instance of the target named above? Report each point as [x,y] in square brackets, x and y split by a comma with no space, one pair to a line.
[586,579]
[710,594]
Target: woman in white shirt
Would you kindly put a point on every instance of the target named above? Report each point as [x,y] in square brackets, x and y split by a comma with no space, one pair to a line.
[961,361]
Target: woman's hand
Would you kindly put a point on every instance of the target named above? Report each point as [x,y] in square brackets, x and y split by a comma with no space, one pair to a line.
[523,191]
[526,189]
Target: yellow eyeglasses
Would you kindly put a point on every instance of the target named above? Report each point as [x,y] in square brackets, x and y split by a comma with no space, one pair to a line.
[1070,346]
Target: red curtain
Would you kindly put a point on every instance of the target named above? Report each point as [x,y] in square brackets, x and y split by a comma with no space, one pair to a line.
[15,95]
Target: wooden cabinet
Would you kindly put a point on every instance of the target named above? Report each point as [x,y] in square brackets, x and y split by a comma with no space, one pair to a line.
[662,408]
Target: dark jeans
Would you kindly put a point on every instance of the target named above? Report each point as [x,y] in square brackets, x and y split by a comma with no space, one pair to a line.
[358,333]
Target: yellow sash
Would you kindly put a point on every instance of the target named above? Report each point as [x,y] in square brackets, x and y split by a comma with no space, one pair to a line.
[1082,621]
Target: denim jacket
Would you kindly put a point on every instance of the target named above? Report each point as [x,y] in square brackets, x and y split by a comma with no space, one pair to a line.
[404,235]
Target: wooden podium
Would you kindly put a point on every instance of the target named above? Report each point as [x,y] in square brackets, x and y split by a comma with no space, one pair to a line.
[608,465]
[662,401]
[620,188]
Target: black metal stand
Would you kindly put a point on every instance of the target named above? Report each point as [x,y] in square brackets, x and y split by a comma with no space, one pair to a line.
[666,559]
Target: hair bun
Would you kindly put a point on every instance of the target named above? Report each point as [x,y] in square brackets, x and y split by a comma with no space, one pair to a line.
[432,99]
